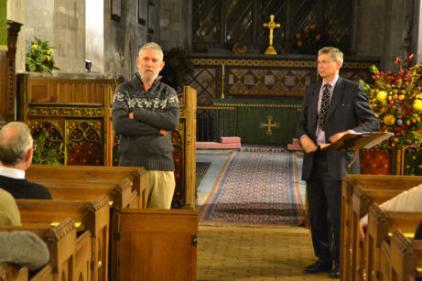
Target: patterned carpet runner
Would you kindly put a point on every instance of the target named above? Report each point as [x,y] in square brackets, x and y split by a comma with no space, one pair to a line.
[257,187]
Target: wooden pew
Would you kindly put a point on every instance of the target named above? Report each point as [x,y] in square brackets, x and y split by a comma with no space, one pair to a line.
[380,224]
[400,258]
[162,224]
[358,192]
[10,272]
[94,216]
[120,193]
[90,174]
[156,244]
[62,242]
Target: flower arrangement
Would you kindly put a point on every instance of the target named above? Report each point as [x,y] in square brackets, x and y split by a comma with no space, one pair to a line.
[396,98]
[39,57]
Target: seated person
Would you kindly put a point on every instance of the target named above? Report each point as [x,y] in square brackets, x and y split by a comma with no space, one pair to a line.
[406,201]
[9,212]
[24,249]
[15,158]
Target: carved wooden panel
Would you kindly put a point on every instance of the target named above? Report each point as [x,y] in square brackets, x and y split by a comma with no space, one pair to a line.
[259,76]
[71,112]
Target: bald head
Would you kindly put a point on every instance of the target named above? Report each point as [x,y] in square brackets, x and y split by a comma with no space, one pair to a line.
[15,143]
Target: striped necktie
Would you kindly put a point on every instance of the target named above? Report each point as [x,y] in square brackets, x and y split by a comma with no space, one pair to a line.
[325,104]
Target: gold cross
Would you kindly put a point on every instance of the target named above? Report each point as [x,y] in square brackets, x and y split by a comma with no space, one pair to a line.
[269,125]
[271,25]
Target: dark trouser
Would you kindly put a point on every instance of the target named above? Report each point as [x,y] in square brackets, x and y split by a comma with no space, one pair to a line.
[324,197]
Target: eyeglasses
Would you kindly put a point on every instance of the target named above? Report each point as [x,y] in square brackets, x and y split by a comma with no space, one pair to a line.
[325,61]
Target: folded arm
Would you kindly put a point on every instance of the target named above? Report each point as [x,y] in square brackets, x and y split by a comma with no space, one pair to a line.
[167,119]
[123,125]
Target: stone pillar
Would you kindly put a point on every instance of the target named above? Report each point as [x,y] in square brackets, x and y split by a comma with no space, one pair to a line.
[418,30]
[399,32]
[176,23]
[368,27]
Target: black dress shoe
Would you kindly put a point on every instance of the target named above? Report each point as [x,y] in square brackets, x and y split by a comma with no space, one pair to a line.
[335,273]
[319,266]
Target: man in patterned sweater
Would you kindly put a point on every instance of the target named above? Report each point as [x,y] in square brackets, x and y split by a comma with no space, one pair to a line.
[145,111]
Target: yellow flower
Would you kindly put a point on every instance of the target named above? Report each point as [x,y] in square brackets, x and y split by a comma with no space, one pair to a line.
[49,51]
[389,119]
[417,105]
[401,97]
[382,96]
[34,46]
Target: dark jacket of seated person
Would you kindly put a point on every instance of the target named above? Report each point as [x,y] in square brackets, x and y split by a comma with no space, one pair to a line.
[23,248]
[16,151]
[23,189]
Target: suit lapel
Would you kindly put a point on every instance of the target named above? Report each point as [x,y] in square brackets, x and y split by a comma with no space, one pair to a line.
[337,97]
[313,106]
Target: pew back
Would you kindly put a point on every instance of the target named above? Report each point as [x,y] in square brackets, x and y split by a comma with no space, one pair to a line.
[358,192]
[123,176]
[61,241]
[380,225]
[94,216]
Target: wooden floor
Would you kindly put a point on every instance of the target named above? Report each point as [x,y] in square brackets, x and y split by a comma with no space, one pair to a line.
[255,253]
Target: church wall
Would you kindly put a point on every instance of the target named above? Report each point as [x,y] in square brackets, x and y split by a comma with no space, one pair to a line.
[63,26]
[124,37]
[69,35]
[386,29]
[368,27]
[175,23]
[16,12]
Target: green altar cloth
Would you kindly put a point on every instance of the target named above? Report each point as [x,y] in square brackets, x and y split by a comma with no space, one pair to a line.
[260,121]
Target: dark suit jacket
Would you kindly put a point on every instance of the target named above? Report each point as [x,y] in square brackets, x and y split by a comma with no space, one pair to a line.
[349,109]
[23,189]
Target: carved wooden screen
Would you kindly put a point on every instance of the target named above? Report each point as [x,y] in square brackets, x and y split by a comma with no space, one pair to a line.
[306,25]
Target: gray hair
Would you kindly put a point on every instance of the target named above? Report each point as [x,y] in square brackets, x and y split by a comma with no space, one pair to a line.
[15,141]
[152,46]
[336,54]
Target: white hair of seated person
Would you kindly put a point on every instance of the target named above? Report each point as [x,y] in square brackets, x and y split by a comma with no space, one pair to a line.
[23,248]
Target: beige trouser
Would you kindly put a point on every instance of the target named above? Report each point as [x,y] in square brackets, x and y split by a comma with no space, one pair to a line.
[159,188]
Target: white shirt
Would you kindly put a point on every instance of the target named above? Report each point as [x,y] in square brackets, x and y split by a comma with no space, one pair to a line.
[12,173]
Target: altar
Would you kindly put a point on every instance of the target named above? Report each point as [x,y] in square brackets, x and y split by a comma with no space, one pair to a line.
[266,93]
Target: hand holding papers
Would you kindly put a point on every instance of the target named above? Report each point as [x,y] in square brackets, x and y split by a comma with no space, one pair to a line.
[353,140]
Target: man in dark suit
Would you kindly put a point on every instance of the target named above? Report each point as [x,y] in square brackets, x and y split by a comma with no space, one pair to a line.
[331,109]
[15,158]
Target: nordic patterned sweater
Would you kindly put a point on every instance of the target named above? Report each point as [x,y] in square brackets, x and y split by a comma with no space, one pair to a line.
[141,143]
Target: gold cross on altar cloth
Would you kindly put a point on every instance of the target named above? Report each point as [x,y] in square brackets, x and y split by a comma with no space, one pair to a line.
[271,25]
[269,125]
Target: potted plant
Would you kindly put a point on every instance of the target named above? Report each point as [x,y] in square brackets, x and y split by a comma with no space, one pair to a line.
[39,57]
[396,98]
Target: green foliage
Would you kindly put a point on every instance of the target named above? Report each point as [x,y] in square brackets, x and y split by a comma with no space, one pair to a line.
[39,57]
[46,152]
